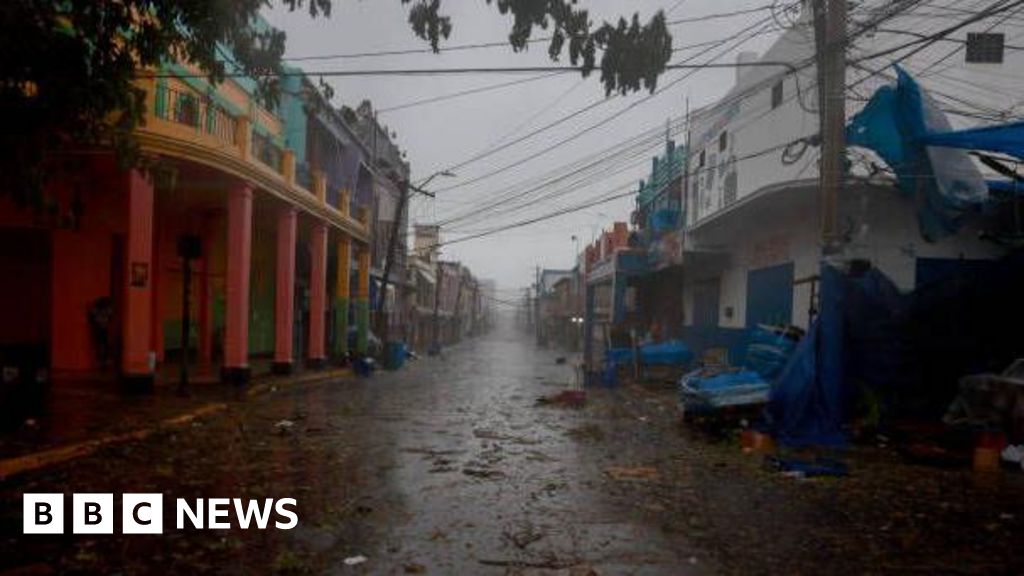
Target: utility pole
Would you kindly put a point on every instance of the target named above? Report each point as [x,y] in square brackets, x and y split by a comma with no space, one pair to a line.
[405,188]
[830,39]
[457,313]
[389,259]
[476,301]
[536,307]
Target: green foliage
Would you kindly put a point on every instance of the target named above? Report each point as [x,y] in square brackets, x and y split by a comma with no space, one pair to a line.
[633,55]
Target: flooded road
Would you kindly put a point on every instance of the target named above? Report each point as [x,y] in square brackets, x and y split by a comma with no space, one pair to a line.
[450,466]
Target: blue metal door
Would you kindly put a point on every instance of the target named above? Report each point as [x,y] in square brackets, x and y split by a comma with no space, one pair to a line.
[770,295]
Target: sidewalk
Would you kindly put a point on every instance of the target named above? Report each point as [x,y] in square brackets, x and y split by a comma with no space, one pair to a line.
[84,415]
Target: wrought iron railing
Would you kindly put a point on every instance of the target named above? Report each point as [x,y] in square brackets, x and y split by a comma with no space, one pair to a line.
[189,108]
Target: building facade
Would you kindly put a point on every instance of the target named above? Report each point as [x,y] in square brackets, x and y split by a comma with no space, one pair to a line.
[727,233]
[753,240]
[243,229]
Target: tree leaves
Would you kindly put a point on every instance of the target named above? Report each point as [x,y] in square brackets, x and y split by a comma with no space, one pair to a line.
[68,72]
[633,56]
[428,23]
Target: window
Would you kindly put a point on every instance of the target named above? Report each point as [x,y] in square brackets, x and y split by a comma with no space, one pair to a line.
[700,164]
[777,95]
[984,48]
[723,141]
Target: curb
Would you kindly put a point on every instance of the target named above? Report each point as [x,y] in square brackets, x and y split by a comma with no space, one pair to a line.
[44,458]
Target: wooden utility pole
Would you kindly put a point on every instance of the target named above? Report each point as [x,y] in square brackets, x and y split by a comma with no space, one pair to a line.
[830,38]
[536,308]
[389,259]
[457,313]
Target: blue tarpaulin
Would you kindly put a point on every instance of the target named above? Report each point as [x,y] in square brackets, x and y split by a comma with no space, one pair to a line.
[768,352]
[700,392]
[1004,138]
[907,350]
[899,123]
[806,403]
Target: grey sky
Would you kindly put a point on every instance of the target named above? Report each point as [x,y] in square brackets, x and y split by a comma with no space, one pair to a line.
[445,133]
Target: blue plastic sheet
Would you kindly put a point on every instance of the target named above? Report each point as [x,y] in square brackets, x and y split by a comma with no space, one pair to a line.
[1005,138]
[699,391]
[806,403]
[903,125]
[768,352]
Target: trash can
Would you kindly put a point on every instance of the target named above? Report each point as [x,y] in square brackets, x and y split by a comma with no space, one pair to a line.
[394,357]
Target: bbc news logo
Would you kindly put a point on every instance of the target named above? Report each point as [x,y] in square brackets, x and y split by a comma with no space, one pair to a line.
[144,513]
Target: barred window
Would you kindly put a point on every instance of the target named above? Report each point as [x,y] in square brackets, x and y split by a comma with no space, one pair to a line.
[985,48]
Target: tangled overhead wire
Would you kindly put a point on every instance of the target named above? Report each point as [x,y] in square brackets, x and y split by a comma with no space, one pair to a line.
[796,149]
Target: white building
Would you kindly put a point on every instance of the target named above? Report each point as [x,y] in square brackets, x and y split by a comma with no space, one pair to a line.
[752,213]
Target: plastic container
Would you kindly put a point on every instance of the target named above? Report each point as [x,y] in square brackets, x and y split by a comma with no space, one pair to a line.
[394,356]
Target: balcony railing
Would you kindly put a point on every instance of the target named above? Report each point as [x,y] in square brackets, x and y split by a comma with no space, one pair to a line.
[264,150]
[304,175]
[194,110]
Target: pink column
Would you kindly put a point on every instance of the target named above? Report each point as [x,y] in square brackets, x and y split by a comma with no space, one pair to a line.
[205,303]
[239,264]
[157,299]
[137,334]
[284,294]
[317,293]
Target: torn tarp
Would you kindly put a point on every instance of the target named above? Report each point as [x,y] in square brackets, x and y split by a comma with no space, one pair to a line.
[897,123]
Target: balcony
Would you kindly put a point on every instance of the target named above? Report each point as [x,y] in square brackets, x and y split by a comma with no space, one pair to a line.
[225,129]
[199,113]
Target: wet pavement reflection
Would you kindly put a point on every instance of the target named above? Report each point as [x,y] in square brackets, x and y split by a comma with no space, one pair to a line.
[451,466]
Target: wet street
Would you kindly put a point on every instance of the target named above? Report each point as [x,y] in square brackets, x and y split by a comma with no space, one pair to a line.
[450,466]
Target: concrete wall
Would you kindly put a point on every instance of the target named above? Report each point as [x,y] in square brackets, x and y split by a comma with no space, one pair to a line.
[884,232]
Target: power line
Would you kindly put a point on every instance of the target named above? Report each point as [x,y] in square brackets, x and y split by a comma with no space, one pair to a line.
[502,44]
[920,44]
[596,159]
[468,92]
[455,71]
[524,222]
[597,124]
[740,95]
[607,166]
[608,196]
[720,15]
